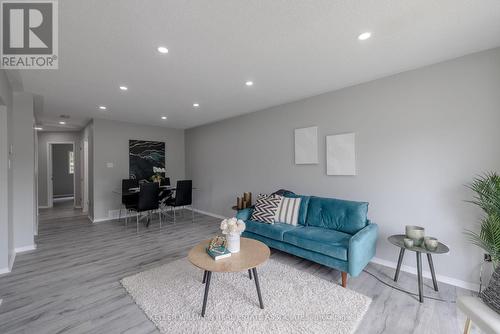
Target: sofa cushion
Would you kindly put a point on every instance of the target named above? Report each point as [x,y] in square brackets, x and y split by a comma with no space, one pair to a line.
[274,231]
[288,211]
[337,214]
[304,204]
[317,239]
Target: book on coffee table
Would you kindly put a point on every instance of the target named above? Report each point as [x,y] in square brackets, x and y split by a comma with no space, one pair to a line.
[218,253]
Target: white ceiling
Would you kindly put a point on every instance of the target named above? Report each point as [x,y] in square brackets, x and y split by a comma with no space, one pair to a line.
[291,49]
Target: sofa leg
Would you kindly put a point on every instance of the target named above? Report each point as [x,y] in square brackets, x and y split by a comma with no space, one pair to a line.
[344,279]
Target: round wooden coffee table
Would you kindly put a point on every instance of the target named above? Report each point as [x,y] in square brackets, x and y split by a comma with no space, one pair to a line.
[252,254]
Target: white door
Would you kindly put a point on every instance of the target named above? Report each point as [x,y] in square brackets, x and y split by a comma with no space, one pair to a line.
[85,176]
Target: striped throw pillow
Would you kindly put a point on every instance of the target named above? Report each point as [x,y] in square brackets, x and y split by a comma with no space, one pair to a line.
[288,211]
[265,208]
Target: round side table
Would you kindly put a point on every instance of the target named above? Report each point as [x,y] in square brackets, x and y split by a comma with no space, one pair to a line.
[252,254]
[397,240]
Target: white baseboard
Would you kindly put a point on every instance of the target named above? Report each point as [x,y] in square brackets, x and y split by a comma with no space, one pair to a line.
[4,271]
[113,215]
[25,249]
[427,274]
[207,213]
[43,207]
[11,261]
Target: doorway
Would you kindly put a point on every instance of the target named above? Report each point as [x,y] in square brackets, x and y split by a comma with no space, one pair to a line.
[61,174]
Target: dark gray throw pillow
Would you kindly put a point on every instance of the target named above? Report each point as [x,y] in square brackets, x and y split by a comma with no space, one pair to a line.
[491,296]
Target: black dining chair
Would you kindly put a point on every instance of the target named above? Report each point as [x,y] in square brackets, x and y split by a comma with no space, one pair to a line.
[183,197]
[128,199]
[148,201]
[165,182]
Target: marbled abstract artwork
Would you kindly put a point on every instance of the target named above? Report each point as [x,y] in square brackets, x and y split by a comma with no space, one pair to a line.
[143,156]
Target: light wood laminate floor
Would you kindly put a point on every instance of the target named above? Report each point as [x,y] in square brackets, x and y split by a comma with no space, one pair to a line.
[70,284]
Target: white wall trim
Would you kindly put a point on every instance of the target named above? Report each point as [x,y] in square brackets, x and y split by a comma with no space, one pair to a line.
[25,248]
[208,213]
[11,261]
[427,274]
[113,215]
[44,207]
[4,271]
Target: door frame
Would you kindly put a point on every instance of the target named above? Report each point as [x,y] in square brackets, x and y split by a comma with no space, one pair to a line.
[50,183]
[85,174]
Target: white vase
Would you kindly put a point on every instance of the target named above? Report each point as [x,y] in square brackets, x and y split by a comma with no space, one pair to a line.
[233,242]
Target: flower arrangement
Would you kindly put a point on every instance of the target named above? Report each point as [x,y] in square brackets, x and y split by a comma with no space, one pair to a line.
[158,174]
[232,226]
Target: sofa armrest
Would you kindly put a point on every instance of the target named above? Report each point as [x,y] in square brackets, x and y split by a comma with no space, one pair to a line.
[244,214]
[362,247]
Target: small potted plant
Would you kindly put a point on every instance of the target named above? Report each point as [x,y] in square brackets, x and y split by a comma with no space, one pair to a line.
[232,228]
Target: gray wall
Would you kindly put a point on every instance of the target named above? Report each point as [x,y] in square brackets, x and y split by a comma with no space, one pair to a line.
[420,136]
[111,146]
[57,137]
[23,166]
[6,223]
[62,179]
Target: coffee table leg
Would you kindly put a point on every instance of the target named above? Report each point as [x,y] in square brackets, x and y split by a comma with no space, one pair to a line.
[204,276]
[400,261]
[205,296]
[420,280]
[249,273]
[433,273]
[256,279]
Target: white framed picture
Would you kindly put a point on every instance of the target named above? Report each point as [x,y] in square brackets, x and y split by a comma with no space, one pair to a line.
[341,154]
[306,145]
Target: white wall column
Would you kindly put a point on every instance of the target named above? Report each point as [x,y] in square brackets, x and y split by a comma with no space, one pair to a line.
[23,171]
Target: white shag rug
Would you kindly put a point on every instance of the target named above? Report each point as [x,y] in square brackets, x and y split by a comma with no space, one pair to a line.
[294,301]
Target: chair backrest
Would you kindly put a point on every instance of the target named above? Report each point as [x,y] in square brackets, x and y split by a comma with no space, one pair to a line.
[148,196]
[165,181]
[184,193]
[126,185]
[129,183]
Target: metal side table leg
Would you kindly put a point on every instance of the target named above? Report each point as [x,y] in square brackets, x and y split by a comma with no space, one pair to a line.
[205,296]
[400,261]
[420,280]
[433,273]
[250,273]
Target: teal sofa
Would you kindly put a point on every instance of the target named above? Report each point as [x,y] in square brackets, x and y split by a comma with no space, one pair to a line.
[332,232]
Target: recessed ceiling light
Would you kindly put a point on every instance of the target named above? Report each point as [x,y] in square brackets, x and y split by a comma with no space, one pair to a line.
[62,122]
[249,83]
[123,87]
[364,36]
[162,49]
[38,128]
[102,107]
[196,105]
[164,117]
